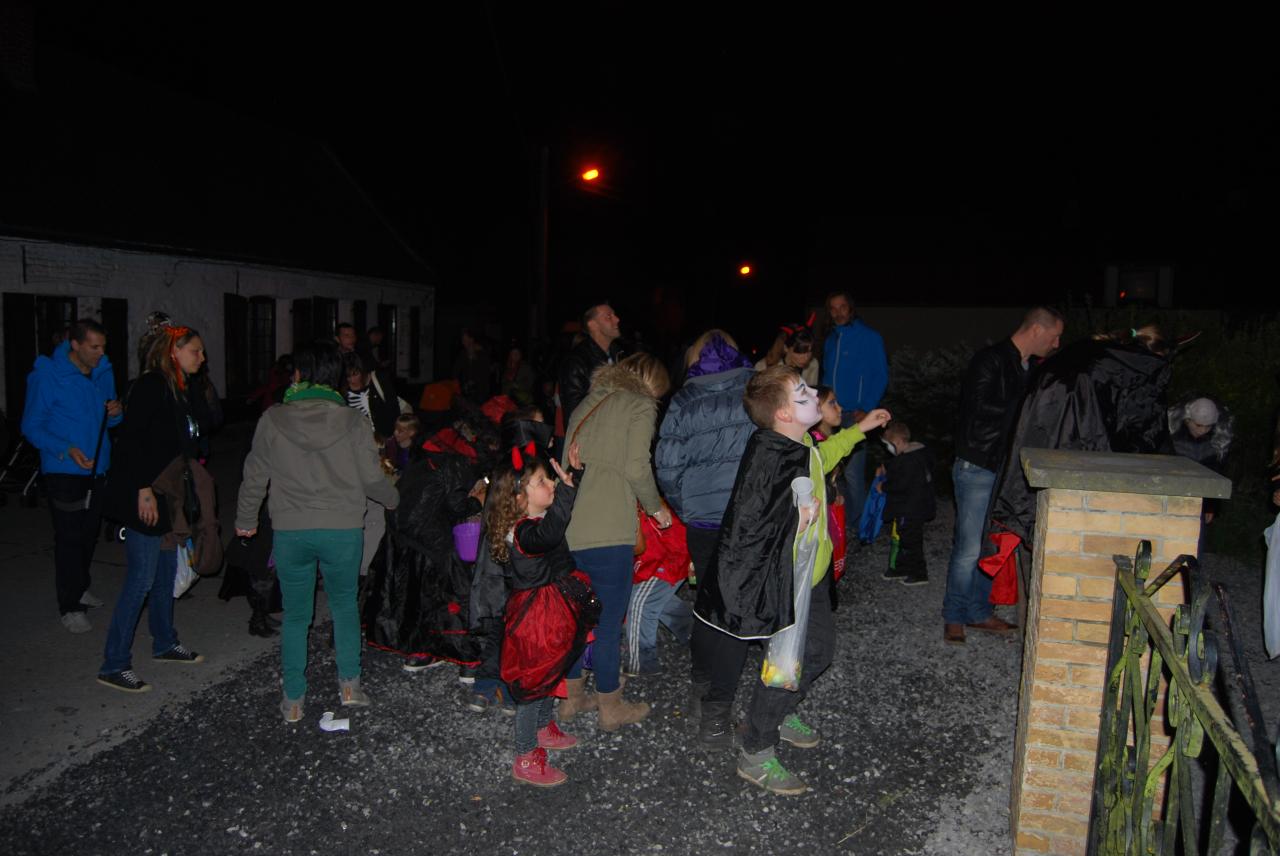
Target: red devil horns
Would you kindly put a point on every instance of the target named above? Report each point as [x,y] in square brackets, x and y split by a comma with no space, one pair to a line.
[517,459]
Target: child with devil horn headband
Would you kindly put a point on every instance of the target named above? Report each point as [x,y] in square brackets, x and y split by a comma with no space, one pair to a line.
[793,346]
[551,608]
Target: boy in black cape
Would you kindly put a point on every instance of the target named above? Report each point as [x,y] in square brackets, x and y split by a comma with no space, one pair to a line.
[747,591]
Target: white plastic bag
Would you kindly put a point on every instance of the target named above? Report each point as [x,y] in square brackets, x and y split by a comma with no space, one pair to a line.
[784,655]
[1271,593]
[186,574]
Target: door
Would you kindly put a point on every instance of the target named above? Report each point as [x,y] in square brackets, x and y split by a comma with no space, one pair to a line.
[235,313]
[115,320]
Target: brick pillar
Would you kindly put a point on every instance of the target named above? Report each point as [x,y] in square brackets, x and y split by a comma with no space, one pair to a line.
[1090,507]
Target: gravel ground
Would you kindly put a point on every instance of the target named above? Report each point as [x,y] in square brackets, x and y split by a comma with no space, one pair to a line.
[916,758]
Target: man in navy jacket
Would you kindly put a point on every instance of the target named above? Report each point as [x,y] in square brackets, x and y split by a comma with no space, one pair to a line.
[68,397]
[855,366]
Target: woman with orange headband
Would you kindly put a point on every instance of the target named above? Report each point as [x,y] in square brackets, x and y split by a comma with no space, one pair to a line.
[158,428]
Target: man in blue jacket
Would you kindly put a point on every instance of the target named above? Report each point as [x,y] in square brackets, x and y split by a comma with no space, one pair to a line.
[69,395]
[854,365]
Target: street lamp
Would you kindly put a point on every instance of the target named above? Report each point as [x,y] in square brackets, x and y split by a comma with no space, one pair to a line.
[591,174]
[745,270]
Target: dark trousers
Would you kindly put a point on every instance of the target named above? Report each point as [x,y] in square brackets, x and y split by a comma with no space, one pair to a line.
[911,559]
[721,657]
[702,547]
[75,534]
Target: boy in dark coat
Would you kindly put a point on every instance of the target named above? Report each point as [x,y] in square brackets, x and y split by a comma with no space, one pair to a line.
[909,502]
[747,591]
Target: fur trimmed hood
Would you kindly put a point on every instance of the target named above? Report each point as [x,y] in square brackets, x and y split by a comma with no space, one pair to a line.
[617,378]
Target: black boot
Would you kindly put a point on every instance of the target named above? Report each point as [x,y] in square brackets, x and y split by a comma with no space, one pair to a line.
[714,730]
[259,626]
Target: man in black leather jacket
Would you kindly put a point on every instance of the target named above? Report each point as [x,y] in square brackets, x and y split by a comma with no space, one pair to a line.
[989,400]
[598,347]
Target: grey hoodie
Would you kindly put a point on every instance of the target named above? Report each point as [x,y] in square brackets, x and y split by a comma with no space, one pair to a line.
[320,459]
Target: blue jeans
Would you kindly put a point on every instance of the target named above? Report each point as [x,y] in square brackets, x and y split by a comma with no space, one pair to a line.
[149,573]
[968,598]
[855,483]
[610,571]
[338,553]
[654,602]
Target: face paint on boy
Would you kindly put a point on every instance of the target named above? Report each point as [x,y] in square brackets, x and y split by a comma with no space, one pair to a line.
[807,410]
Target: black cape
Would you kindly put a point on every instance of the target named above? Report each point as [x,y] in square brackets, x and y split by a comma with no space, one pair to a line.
[747,590]
[1092,396]
[416,596]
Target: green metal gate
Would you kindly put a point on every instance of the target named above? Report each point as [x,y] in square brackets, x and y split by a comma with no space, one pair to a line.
[1193,655]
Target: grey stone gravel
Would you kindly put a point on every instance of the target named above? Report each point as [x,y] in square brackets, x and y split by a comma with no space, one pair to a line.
[916,759]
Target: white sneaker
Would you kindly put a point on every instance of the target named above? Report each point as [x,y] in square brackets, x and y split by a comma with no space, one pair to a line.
[76,622]
[90,600]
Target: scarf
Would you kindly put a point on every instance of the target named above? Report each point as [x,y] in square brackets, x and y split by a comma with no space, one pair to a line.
[304,390]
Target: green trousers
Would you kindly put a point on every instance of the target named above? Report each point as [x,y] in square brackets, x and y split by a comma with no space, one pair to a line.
[297,551]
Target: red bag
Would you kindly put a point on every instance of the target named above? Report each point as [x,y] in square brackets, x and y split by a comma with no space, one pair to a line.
[1002,567]
[835,525]
[546,631]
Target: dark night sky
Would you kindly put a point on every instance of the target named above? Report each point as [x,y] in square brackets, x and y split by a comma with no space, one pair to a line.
[931,158]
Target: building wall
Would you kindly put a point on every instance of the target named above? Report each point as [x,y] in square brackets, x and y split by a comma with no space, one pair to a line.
[191,291]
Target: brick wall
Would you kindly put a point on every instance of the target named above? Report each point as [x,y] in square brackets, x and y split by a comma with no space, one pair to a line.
[1068,624]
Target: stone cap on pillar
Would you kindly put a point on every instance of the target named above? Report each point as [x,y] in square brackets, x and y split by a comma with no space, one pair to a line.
[1164,475]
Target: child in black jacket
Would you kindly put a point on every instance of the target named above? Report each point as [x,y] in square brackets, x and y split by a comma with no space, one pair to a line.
[909,501]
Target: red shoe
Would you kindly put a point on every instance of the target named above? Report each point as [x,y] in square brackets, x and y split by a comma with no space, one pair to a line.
[533,769]
[552,737]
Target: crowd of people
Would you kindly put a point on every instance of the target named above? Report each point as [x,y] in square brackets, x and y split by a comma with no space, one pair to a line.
[538,546]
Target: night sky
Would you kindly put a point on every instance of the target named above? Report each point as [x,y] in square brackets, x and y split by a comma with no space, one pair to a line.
[932,158]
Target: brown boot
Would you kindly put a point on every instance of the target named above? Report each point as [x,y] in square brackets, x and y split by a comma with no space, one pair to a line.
[615,711]
[578,701]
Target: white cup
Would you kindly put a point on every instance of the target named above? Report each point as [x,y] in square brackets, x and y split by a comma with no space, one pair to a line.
[802,491]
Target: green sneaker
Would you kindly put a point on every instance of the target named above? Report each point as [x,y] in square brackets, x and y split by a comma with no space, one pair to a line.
[797,733]
[764,770]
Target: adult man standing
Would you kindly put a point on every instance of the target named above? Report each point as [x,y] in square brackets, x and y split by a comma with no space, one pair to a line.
[989,400]
[854,365]
[598,347]
[71,401]
[345,336]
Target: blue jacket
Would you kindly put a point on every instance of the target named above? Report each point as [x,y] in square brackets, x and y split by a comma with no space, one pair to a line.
[64,408]
[854,365]
[700,444]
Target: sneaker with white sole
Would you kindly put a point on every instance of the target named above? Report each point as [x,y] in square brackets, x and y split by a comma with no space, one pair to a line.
[421,664]
[179,654]
[125,681]
[764,770]
[795,732]
[291,709]
[90,600]
[76,622]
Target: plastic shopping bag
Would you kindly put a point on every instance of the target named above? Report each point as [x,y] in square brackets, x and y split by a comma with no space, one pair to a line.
[186,574]
[785,652]
[872,513]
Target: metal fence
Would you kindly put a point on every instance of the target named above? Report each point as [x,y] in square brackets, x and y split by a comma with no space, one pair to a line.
[1202,661]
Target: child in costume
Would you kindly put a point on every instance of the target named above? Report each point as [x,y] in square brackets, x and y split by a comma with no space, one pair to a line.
[747,592]
[550,609]
[659,572]
[909,502]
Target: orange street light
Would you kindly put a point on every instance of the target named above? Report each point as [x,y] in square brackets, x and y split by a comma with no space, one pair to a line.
[591,174]
[745,270]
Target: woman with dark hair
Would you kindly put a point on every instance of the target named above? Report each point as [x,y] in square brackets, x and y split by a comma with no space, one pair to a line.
[794,347]
[319,457]
[158,428]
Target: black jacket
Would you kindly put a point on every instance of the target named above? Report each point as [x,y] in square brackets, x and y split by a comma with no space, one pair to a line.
[1091,396]
[576,369]
[541,553]
[747,591]
[908,485]
[154,432]
[993,389]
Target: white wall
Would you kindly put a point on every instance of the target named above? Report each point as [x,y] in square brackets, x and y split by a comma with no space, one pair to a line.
[191,291]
